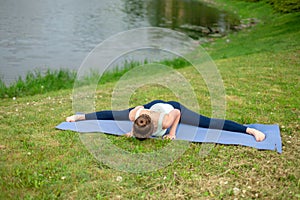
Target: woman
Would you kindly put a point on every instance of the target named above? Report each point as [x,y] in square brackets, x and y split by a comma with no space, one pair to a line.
[156,117]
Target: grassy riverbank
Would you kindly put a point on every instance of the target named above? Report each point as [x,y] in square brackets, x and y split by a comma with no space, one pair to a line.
[42,83]
[260,70]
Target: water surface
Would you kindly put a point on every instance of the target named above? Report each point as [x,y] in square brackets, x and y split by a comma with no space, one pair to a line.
[42,34]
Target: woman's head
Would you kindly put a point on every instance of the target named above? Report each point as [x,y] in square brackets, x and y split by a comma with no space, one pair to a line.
[142,127]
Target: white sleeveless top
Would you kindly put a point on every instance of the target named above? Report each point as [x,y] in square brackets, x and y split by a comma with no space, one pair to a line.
[163,109]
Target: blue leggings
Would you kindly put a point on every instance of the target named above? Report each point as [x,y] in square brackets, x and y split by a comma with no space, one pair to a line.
[187,117]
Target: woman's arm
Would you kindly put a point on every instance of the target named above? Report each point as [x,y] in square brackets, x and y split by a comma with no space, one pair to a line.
[132,113]
[171,120]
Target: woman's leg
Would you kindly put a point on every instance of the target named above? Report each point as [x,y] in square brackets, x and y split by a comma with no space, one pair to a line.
[109,115]
[116,114]
[195,119]
[187,117]
[148,105]
[192,118]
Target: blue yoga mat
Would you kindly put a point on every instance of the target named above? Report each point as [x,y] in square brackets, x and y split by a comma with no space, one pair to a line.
[186,132]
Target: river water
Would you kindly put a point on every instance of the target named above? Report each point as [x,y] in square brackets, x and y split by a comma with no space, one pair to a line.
[42,34]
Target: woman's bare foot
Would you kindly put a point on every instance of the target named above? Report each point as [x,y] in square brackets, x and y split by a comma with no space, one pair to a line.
[75,118]
[259,136]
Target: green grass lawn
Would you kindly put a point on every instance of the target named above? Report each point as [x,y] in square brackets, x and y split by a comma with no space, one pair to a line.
[261,73]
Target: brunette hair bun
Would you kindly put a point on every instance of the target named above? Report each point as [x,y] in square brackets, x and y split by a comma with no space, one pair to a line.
[142,126]
[143,120]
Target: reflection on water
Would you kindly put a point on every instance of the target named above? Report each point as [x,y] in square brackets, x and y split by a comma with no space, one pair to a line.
[191,17]
[54,34]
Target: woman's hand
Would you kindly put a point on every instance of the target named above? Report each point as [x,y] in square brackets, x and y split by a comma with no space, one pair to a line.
[129,134]
[171,120]
[170,137]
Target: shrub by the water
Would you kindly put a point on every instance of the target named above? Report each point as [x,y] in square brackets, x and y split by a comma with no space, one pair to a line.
[38,83]
[260,71]
[284,6]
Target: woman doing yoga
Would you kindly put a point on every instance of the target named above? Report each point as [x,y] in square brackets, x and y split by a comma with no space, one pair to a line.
[156,117]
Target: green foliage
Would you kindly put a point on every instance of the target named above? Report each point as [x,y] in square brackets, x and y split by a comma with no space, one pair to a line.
[39,162]
[252,0]
[116,73]
[285,6]
[262,85]
[38,83]
[274,32]
[176,63]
